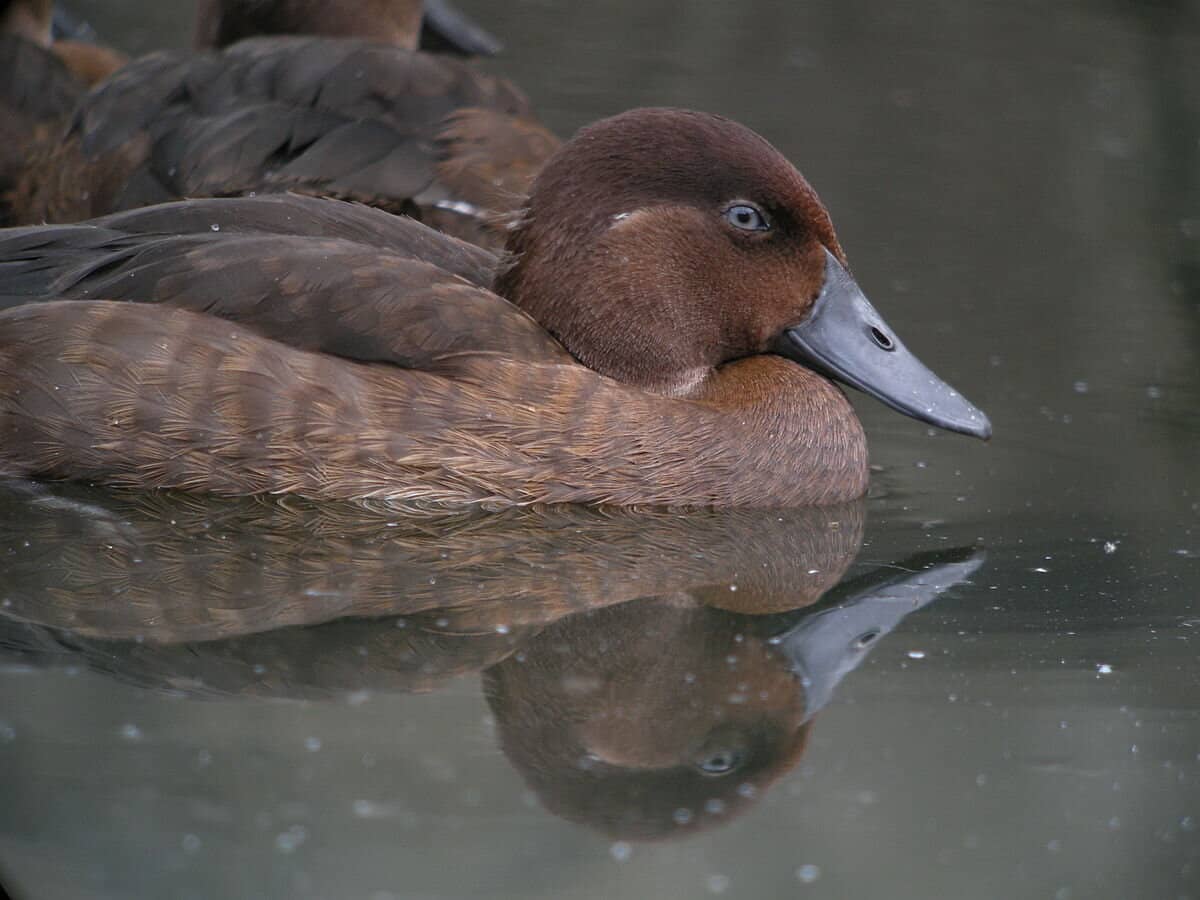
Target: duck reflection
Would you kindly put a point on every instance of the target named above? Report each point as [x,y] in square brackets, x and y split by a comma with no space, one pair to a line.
[650,674]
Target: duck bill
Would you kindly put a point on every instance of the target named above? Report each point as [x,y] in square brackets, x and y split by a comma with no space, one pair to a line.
[846,339]
[447,30]
[826,644]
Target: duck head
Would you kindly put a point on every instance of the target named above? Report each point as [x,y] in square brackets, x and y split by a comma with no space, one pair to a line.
[435,24]
[661,243]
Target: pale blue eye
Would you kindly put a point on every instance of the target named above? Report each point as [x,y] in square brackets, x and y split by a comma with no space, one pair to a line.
[746,217]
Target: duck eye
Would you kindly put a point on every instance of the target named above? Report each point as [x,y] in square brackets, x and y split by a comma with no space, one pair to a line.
[719,762]
[746,217]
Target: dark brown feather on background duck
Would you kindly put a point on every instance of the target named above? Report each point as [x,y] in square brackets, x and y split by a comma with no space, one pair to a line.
[681,277]
[432,25]
[409,132]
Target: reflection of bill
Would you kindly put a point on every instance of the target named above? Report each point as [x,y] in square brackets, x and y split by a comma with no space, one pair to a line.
[657,718]
[826,644]
[650,673]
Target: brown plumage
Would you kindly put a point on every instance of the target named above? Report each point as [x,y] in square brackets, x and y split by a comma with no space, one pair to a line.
[432,25]
[354,370]
[41,80]
[220,23]
[406,131]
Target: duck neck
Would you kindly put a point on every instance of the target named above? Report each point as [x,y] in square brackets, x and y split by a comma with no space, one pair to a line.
[798,437]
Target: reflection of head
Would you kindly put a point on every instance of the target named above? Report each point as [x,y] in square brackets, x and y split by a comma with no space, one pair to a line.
[649,719]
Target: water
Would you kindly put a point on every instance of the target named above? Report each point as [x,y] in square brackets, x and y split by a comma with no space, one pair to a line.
[246,700]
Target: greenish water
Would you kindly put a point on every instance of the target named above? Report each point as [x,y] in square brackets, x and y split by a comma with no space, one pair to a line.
[236,700]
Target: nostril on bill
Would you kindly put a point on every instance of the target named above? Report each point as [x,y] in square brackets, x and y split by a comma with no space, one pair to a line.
[882,339]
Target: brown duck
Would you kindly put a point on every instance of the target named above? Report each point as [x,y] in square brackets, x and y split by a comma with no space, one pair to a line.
[662,331]
[407,131]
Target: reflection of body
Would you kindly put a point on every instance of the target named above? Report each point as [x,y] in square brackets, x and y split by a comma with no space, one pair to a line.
[633,689]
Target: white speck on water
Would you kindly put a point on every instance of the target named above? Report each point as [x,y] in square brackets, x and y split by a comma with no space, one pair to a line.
[916,654]
[746,790]
[1110,547]
[808,873]
[1104,669]
[216,227]
[1054,846]
[1114,823]
[358,698]
[288,841]
[718,884]
[1041,570]
[733,587]
[130,732]
[501,629]
[620,851]
[981,780]
[203,759]
[1187,823]
[312,744]
[1081,387]
[921,464]
[682,816]
[814,571]
[190,843]
[1154,392]
[714,806]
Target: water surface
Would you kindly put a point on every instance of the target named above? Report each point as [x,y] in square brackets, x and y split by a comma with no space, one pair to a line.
[982,682]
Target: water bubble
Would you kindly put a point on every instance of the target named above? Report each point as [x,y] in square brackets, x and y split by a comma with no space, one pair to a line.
[130,732]
[620,851]
[312,744]
[288,841]
[682,816]
[1154,392]
[191,843]
[215,227]
[746,790]
[714,806]
[718,884]
[808,873]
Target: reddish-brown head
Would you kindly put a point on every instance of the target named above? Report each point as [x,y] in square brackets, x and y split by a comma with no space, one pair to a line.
[661,243]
